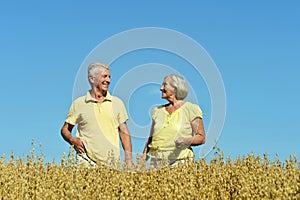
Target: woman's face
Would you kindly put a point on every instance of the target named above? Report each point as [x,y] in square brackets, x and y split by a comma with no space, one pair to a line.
[167,90]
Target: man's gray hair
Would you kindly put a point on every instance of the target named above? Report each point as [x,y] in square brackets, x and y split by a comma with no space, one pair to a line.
[95,68]
[180,85]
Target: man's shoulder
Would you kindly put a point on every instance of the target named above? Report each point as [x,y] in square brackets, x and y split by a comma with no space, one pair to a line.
[116,99]
[79,100]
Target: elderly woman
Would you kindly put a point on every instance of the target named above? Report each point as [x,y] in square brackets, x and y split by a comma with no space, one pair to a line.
[176,126]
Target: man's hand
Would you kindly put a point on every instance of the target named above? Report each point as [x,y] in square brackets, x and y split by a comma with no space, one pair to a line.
[66,132]
[129,165]
[78,145]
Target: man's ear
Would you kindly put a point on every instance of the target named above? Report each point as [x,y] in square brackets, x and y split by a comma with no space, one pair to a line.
[91,79]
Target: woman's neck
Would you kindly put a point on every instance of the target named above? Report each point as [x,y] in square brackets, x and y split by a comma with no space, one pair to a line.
[172,106]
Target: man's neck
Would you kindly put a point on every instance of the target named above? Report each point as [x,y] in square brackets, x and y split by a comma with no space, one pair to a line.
[98,95]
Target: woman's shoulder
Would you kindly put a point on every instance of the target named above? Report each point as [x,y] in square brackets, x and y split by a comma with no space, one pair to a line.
[191,107]
[160,107]
[193,110]
[188,105]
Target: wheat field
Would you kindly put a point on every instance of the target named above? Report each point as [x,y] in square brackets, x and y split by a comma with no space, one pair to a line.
[248,177]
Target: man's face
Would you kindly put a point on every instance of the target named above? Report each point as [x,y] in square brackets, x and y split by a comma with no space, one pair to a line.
[102,80]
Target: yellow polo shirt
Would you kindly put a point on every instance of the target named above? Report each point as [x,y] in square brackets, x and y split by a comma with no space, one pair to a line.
[97,124]
[168,128]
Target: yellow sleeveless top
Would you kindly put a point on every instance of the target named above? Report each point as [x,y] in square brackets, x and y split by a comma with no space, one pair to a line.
[169,127]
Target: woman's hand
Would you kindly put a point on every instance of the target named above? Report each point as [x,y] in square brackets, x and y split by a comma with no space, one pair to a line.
[182,142]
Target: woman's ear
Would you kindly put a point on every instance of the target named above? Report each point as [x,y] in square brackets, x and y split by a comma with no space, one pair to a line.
[175,90]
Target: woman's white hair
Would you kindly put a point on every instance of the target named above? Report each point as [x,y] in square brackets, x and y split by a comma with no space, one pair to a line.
[95,68]
[180,85]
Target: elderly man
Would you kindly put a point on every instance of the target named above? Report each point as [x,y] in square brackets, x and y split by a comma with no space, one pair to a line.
[101,122]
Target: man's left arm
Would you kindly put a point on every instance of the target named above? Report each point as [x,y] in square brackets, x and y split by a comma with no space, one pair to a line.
[126,143]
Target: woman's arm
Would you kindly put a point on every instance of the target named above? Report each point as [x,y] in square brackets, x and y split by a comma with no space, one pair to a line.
[197,139]
[198,130]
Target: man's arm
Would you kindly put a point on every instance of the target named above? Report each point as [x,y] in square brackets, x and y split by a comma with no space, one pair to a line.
[126,142]
[66,132]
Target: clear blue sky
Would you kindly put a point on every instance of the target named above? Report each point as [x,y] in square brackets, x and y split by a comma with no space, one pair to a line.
[255,46]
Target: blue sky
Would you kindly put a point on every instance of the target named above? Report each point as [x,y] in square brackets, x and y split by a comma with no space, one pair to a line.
[255,46]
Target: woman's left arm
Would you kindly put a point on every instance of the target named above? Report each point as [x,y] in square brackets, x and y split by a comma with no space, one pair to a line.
[197,139]
[198,130]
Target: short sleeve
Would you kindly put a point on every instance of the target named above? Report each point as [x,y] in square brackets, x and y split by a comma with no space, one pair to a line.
[194,112]
[72,117]
[154,113]
[122,113]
